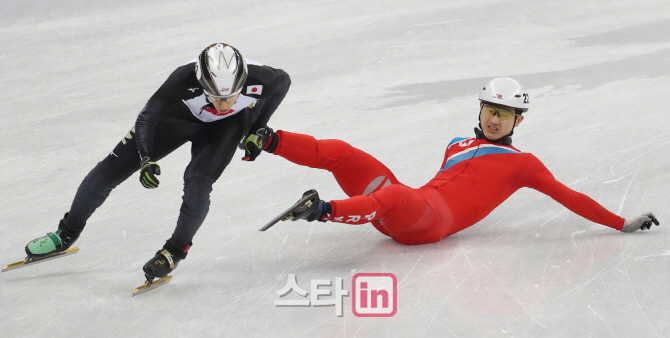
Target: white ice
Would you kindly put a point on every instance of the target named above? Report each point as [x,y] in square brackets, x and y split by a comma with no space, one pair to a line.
[398,79]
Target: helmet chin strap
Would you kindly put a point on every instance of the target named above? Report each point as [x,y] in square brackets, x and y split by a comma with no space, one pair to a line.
[505,140]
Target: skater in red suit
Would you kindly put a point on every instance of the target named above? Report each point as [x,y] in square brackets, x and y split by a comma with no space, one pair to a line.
[477,175]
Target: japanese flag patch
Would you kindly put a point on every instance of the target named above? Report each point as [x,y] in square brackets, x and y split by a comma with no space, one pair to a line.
[257,90]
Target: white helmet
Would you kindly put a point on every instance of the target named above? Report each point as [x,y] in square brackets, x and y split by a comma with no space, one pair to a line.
[507,92]
[221,70]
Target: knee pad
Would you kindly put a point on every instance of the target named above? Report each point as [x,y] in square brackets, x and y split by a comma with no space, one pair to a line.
[334,149]
[393,194]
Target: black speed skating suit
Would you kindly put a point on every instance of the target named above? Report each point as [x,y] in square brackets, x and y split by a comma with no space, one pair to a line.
[179,112]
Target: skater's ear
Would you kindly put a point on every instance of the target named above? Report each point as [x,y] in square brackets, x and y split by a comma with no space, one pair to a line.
[519,118]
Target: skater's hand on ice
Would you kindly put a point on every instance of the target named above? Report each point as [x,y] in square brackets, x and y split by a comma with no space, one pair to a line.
[639,222]
[148,173]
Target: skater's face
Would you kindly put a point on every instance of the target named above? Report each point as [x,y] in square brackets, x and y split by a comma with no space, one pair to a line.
[497,121]
[224,106]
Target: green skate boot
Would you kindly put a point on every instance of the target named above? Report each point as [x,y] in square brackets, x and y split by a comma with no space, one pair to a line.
[52,243]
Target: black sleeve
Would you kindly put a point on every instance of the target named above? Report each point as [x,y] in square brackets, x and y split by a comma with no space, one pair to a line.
[144,131]
[164,106]
[276,83]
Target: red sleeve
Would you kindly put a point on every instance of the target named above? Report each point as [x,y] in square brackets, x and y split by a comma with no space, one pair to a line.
[538,177]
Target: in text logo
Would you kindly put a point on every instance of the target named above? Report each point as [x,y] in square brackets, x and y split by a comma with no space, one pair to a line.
[374,294]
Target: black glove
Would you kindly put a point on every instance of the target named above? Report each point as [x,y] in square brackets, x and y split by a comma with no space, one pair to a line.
[148,173]
[257,141]
[640,222]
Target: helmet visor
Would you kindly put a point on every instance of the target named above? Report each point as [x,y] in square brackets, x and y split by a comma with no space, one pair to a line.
[502,113]
[219,98]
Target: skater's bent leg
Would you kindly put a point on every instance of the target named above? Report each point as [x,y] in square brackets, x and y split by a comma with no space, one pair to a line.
[408,215]
[210,154]
[357,172]
[194,209]
[396,200]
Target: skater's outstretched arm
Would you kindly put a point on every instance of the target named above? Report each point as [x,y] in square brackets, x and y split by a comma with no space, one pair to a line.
[538,177]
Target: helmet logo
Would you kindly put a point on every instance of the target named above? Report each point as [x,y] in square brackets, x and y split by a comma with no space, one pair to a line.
[225,89]
[227,61]
[499,97]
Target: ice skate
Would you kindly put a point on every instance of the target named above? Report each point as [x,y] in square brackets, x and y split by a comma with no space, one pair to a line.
[53,242]
[309,208]
[161,265]
[53,245]
[157,269]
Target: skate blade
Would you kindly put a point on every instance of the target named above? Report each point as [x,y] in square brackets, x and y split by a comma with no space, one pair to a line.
[288,213]
[148,286]
[30,261]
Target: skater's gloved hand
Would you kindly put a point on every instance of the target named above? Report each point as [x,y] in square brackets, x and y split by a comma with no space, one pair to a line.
[148,173]
[257,141]
[639,223]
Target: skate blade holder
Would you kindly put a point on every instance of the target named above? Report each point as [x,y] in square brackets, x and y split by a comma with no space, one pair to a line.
[148,286]
[290,216]
[30,261]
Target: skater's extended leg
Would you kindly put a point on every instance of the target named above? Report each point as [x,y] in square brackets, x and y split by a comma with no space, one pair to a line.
[122,162]
[100,181]
[357,172]
[92,192]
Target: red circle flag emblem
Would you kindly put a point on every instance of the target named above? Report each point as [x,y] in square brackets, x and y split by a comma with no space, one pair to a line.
[255,90]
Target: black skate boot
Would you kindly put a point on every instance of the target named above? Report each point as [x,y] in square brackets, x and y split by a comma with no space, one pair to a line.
[165,261]
[313,210]
[53,242]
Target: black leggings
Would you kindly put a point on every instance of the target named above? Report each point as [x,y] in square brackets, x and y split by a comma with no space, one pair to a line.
[213,146]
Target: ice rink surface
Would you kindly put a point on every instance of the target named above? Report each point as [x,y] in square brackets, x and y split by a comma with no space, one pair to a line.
[398,79]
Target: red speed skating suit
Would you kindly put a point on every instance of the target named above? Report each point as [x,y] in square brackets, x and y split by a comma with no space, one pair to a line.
[476,176]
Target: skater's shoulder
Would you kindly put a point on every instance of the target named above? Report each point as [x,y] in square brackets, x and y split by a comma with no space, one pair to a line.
[258,72]
[177,83]
[263,81]
[186,70]
[459,139]
[183,75]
